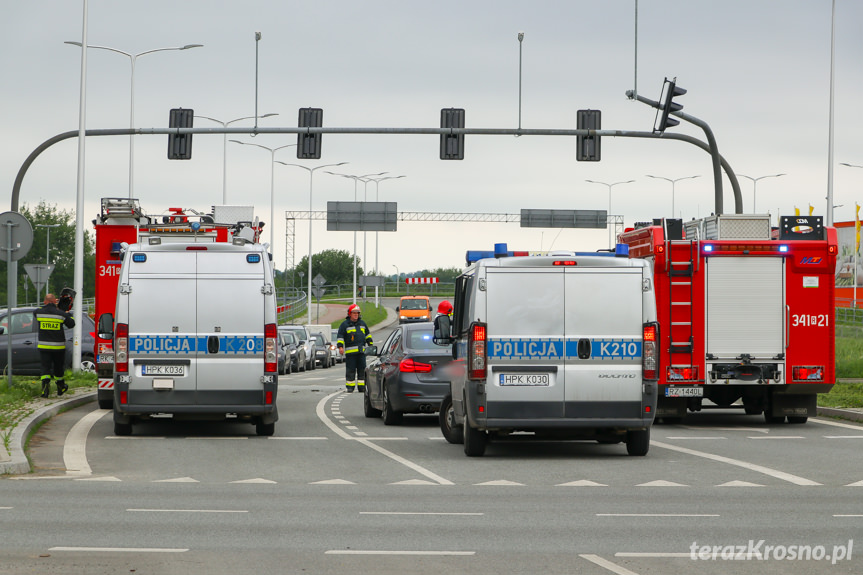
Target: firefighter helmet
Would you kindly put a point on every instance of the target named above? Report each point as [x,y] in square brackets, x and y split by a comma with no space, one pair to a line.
[444,307]
[353,308]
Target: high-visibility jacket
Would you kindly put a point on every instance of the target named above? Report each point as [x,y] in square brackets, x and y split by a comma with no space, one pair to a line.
[353,336]
[51,320]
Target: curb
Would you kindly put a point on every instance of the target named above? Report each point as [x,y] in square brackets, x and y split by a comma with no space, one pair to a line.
[849,414]
[19,464]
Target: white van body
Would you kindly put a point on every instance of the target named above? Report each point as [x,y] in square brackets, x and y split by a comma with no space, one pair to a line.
[563,353]
[196,318]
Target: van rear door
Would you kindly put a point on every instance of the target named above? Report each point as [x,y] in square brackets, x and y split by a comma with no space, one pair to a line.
[162,286]
[526,378]
[231,317]
[604,330]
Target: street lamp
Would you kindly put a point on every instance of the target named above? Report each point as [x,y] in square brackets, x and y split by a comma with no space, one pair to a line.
[755,184]
[608,215]
[355,179]
[311,172]
[672,186]
[47,248]
[132,59]
[272,188]
[225,149]
[377,181]
[398,277]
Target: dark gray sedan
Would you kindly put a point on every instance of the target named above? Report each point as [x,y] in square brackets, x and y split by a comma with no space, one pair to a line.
[406,374]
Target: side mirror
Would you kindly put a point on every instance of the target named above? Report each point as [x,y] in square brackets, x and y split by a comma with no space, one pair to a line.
[370,350]
[442,330]
[2,331]
[106,326]
[397,308]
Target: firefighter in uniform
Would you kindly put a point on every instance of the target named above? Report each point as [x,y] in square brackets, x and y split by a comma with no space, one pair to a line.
[52,342]
[352,338]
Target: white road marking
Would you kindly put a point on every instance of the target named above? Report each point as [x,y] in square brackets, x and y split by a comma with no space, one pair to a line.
[582,483]
[746,465]
[216,437]
[414,482]
[857,484]
[499,482]
[739,484]
[6,507]
[177,480]
[75,446]
[106,478]
[655,555]
[372,552]
[661,483]
[187,510]
[298,438]
[775,437]
[834,423]
[255,480]
[333,482]
[417,513]
[614,568]
[695,437]
[120,549]
[135,438]
[657,515]
[368,443]
[751,429]
[848,516]
[843,436]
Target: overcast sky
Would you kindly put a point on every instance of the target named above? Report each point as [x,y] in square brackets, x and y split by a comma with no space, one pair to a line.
[757,71]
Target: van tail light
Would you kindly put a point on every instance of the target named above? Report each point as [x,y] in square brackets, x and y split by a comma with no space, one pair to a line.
[271,354]
[650,351]
[408,365]
[121,348]
[808,373]
[477,361]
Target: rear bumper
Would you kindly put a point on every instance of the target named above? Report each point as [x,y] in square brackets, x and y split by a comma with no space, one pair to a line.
[531,416]
[418,397]
[216,402]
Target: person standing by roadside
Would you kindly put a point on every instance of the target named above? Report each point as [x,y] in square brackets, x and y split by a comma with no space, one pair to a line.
[52,343]
[353,336]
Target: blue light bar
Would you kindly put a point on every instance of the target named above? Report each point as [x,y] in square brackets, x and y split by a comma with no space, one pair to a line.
[139,258]
[253,258]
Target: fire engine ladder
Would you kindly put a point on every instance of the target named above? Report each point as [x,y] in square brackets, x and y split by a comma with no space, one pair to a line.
[680,271]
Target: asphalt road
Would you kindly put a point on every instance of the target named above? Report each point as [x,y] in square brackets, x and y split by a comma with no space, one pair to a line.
[335,492]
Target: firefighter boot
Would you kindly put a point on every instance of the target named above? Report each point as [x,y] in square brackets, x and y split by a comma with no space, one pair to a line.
[361,386]
[46,387]
[61,387]
[349,386]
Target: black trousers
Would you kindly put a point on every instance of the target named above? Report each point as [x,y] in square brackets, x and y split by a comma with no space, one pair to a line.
[53,363]
[355,366]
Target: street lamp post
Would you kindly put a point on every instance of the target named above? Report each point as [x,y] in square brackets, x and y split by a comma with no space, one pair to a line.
[377,181]
[610,243]
[398,278]
[132,59]
[311,172]
[355,179]
[225,149]
[47,249]
[272,187]
[755,184]
[675,180]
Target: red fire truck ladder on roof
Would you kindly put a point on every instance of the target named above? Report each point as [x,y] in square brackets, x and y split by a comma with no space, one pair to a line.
[681,260]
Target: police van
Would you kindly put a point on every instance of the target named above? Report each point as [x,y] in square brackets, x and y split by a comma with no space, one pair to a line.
[195,334]
[561,345]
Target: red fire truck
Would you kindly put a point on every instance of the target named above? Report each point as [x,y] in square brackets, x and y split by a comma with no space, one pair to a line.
[123,221]
[745,312]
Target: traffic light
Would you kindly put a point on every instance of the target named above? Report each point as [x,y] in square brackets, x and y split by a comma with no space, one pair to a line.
[180,145]
[309,145]
[666,105]
[587,147]
[452,145]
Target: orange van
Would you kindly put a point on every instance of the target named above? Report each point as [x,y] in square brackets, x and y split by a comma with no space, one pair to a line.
[414,308]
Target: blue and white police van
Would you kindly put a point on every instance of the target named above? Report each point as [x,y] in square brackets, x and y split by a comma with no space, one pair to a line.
[195,334]
[562,346]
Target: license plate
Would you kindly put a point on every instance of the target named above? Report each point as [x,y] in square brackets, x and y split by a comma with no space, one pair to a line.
[163,370]
[527,379]
[684,392]
[105,358]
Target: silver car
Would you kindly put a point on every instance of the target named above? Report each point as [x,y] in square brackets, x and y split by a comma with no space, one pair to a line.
[306,341]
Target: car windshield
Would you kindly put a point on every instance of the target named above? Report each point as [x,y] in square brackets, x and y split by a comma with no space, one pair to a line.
[319,338]
[414,304]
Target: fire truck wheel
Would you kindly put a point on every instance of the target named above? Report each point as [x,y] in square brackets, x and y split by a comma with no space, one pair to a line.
[638,441]
[798,418]
[122,429]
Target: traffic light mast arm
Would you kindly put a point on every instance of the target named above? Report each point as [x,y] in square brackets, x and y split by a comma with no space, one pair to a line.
[714,153]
